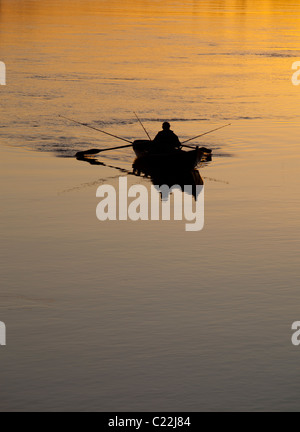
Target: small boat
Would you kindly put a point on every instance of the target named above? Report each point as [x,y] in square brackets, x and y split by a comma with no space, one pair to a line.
[149,161]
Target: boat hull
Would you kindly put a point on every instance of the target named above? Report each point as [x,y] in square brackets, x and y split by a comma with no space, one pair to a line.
[148,161]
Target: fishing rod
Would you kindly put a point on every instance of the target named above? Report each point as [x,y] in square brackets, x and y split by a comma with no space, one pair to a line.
[142,126]
[95,151]
[205,133]
[98,130]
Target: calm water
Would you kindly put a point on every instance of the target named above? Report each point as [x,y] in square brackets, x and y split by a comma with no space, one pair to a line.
[145,316]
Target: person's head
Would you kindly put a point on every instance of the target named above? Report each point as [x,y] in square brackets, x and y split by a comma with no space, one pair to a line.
[166,126]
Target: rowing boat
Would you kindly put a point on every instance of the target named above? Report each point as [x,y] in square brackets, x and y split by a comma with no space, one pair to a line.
[150,161]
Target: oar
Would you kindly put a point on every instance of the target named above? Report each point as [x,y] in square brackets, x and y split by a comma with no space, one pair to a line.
[142,126]
[204,149]
[95,151]
[98,130]
[206,133]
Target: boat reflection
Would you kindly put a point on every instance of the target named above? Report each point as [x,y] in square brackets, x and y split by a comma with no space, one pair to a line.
[173,171]
[167,176]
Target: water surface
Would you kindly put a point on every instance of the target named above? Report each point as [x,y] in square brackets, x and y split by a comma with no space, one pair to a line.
[145,316]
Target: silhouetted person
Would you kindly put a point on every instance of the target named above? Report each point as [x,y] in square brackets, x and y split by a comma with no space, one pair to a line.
[166,141]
